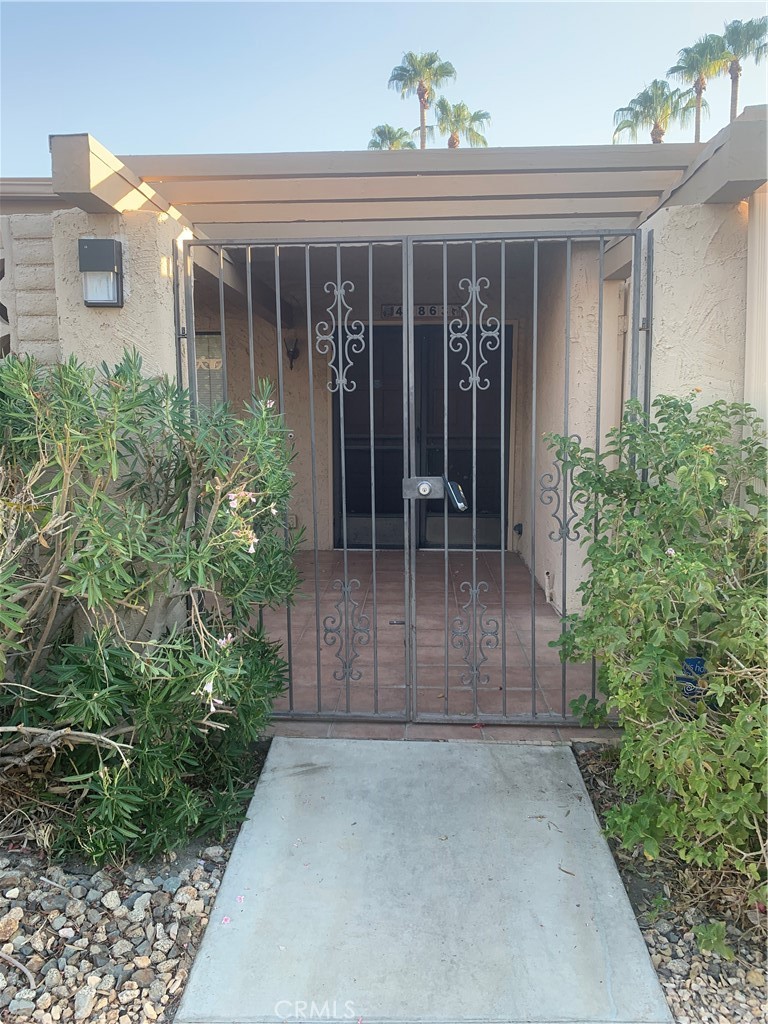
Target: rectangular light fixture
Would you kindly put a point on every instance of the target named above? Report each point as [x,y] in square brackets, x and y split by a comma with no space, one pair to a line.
[101,264]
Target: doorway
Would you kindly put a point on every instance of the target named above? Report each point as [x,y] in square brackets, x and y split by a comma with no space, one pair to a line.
[445,437]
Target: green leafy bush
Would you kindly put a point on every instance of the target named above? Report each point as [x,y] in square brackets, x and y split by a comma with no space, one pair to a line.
[135,548]
[674,512]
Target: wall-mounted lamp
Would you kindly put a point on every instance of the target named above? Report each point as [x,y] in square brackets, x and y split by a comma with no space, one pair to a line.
[101,264]
[292,351]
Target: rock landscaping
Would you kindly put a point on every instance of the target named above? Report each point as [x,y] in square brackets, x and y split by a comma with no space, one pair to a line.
[107,947]
[700,987]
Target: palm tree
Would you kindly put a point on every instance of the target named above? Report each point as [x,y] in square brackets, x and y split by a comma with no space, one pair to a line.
[655,107]
[384,136]
[421,74]
[457,121]
[743,39]
[695,64]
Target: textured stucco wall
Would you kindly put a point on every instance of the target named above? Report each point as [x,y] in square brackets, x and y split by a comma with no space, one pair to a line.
[755,363]
[145,321]
[296,389]
[699,300]
[28,287]
[550,397]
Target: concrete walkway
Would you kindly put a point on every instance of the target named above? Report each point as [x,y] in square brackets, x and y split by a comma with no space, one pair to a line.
[421,882]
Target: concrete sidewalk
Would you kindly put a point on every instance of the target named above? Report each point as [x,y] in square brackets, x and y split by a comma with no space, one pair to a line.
[421,882]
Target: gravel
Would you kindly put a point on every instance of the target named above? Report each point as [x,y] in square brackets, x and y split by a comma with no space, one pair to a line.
[104,947]
[700,988]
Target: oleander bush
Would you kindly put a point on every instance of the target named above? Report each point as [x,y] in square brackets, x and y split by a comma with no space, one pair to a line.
[673,516]
[136,545]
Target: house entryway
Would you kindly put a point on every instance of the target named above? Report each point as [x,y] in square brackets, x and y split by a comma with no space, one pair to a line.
[400,882]
[419,379]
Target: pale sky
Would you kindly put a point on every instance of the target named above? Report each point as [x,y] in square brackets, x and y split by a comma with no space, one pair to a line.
[185,77]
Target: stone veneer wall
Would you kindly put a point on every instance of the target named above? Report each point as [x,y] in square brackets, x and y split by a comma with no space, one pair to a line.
[28,288]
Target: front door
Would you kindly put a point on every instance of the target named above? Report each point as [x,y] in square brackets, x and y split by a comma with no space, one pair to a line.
[447,438]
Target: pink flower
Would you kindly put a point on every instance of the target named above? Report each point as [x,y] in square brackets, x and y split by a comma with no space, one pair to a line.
[226,920]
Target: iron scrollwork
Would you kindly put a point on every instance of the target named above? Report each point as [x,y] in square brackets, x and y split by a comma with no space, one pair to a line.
[462,640]
[459,340]
[348,628]
[564,511]
[340,341]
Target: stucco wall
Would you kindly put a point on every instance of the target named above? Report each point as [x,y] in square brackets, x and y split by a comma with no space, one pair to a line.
[145,321]
[296,390]
[550,397]
[28,287]
[699,300]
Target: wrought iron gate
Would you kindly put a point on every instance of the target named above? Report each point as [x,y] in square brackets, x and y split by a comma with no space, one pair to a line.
[416,377]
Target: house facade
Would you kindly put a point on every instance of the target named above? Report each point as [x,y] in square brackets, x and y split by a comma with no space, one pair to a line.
[424,319]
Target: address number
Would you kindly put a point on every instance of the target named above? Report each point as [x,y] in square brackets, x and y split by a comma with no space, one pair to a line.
[421,311]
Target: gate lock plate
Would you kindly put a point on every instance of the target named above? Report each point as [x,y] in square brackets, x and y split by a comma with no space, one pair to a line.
[430,487]
[423,487]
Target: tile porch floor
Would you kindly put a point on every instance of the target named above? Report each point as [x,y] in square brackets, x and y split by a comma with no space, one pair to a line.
[380,658]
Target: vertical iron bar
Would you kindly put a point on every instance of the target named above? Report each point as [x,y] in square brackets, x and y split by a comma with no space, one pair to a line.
[189,316]
[408,416]
[343,465]
[281,400]
[475,658]
[313,447]
[223,328]
[534,384]
[446,574]
[637,255]
[503,478]
[249,297]
[566,427]
[176,284]
[373,483]
[648,322]
[599,388]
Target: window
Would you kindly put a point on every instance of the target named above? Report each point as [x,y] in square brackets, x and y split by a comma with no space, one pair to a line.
[210,373]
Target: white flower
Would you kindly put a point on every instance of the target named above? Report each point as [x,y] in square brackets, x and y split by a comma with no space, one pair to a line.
[270,403]
[671,552]
[208,688]
[225,641]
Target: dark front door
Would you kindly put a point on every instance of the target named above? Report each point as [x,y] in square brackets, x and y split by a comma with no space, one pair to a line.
[444,411]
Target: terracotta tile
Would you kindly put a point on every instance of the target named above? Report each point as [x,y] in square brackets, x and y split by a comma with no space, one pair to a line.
[520,734]
[309,730]
[424,731]
[368,730]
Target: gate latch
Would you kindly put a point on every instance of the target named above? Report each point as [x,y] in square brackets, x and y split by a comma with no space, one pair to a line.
[423,487]
[435,487]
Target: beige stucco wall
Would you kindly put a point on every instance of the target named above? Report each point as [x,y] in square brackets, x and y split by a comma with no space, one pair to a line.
[699,300]
[145,321]
[755,363]
[550,397]
[296,393]
[28,287]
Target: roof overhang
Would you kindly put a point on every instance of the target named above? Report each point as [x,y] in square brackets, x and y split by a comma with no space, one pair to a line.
[371,195]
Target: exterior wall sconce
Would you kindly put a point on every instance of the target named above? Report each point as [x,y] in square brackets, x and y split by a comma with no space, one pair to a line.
[101,264]
[292,351]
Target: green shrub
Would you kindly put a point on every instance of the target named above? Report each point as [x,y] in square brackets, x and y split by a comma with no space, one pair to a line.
[135,549]
[674,512]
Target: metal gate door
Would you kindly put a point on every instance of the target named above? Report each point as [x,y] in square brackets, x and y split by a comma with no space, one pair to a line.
[416,378]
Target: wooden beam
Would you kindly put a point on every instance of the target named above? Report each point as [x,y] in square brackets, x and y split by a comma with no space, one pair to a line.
[532,159]
[416,210]
[444,186]
[86,174]
[359,231]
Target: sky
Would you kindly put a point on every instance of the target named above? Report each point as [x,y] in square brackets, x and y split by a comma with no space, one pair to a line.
[188,77]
